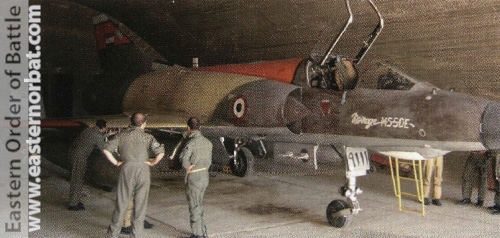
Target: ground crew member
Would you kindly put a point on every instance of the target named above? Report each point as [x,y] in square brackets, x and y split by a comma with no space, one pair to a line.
[431,165]
[134,146]
[88,140]
[476,165]
[496,208]
[196,158]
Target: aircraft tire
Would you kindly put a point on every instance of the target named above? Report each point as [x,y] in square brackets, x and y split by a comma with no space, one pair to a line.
[333,219]
[242,165]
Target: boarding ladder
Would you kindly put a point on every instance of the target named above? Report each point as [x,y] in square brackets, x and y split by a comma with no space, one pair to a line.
[416,166]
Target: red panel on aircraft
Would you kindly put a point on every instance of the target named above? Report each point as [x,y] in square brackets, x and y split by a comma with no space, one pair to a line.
[279,70]
[59,123]
[108,33]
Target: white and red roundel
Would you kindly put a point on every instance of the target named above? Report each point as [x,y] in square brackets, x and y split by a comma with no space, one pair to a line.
[240,108]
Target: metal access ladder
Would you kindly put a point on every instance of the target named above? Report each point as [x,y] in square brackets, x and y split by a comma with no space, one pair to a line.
[416,166]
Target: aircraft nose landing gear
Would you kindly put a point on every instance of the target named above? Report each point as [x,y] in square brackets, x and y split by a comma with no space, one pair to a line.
[339,212]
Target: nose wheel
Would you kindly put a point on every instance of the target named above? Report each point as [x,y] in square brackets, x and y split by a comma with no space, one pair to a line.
[338,213]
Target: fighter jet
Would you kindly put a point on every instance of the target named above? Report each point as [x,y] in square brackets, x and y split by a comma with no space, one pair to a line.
[309,101]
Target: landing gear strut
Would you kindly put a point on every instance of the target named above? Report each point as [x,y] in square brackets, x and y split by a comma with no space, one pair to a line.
[242,162]
[241,158]
[339,212]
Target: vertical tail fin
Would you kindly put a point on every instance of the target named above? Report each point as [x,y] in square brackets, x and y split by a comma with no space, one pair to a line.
[120,49]
[106,32]
[123,57]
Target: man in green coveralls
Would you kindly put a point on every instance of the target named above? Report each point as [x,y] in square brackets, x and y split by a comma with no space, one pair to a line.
[196,158]
[476,165]
[134,180]
[88,140]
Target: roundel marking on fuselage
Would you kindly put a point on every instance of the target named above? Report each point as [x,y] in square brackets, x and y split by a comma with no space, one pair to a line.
[240,108]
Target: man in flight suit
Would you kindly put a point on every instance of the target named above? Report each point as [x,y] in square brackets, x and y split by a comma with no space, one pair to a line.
[88,140]
[476,165]
[196,158]
[134,180]
[433,165]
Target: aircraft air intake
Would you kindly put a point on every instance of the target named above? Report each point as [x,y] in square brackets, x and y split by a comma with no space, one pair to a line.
[294,111]
[262,103]
[490,126]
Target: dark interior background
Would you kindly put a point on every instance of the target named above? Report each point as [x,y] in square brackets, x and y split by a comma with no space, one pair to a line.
[451,44]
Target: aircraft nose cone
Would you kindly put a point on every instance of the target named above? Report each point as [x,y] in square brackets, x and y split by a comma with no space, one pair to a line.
[490,126]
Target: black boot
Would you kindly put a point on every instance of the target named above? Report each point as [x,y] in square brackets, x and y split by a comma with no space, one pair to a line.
[148,225]
[77,207]
[479,203]
[436,202]
[494,207]
[464,201]
[427,201]
[126,230]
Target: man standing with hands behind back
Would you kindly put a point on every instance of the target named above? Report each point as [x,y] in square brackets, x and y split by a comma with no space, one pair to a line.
[196,158]
[134,180]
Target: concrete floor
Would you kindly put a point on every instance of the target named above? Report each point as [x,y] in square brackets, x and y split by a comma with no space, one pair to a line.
[283,199]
